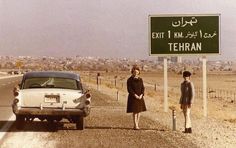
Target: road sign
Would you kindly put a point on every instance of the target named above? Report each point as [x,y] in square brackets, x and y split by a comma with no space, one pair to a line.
[184,34]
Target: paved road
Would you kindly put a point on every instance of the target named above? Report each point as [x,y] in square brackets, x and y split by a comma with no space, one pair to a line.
[6,96]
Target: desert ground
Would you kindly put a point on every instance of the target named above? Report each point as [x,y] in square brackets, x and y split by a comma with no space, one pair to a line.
[218,129]
[112,127]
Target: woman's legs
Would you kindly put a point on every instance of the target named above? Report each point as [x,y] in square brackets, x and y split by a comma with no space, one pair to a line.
[136,117]
[134,120]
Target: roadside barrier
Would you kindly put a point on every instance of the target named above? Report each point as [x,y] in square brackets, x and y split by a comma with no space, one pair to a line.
[174,91]
[173,108]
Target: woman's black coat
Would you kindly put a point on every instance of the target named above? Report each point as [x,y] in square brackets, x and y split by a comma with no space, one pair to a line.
[135,86]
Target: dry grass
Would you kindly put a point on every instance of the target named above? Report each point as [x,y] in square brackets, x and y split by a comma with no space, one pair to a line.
[231,120]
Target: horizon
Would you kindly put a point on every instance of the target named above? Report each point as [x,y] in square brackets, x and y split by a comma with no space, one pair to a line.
[184,58]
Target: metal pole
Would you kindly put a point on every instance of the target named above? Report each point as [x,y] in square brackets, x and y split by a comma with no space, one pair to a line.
[234,98]
[209,94]
[174,119]
[204,87]
[165,86]
[117,95]
[97,82]
[98,76]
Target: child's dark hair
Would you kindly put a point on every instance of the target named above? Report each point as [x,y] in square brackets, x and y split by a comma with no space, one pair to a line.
[186,74]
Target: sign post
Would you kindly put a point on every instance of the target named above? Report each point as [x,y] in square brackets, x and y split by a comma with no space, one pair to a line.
[165,85]
[204,86]
[174,35]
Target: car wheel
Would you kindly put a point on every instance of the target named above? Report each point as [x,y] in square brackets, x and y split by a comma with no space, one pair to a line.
[51,124]
[20,121]
[41,118]
[80,123]
[58,119]
[50,120]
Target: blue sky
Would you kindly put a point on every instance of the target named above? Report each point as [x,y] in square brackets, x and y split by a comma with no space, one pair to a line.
[105,28]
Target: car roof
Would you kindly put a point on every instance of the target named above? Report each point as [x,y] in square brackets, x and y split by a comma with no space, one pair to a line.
[58,74]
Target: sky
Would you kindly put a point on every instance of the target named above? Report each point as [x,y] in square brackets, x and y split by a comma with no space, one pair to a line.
[99,28]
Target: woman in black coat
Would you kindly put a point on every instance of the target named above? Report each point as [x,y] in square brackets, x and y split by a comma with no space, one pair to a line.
[135,102]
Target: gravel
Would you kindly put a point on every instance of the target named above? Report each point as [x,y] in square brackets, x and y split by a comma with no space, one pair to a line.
[208,132]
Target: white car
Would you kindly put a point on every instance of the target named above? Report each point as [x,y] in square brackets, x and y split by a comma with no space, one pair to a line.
[51,96]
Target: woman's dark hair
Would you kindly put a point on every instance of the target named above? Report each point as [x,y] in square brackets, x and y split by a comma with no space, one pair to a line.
[135,67]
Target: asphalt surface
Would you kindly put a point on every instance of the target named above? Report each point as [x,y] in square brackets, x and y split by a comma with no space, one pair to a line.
[6,97]
[108,125]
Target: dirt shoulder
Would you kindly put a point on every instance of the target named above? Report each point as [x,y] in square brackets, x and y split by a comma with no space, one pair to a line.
[207,132]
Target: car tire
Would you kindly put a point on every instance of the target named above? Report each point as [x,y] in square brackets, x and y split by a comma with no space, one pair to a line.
[80,123]
[58,119]
[20,122]
[41,118]
[50,120]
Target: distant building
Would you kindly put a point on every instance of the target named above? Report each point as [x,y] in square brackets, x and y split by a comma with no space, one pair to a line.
[179,59]
[171,59]
[160,59]
[174,59]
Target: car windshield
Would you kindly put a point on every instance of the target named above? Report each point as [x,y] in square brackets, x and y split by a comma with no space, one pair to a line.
[51,82]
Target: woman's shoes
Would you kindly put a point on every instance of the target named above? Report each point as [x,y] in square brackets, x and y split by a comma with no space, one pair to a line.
[188,130]
[185,131]
[136,128]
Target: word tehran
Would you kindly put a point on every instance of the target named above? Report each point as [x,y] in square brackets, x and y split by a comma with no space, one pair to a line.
[185,47]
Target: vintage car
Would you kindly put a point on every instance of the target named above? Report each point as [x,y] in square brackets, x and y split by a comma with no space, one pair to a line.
[51,96]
